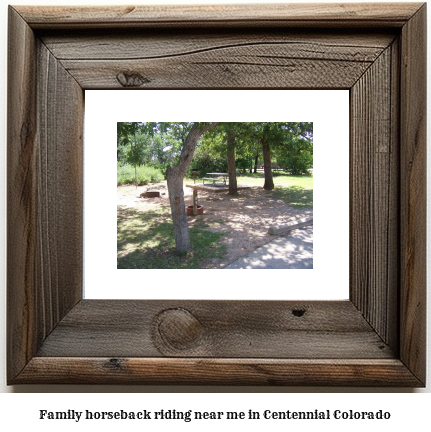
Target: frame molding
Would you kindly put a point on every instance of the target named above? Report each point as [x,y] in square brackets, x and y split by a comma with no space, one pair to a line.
[376,338]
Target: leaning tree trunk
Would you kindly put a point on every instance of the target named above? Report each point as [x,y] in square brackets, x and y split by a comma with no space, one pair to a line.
[175,176]
[233,186]
[269,183]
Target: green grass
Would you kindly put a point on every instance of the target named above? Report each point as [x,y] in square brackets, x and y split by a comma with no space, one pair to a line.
[295,196]
[297,191]
[280,178]
[144,175]
[145,240]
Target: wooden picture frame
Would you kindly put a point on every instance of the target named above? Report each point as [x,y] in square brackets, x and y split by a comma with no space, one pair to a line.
[376,338]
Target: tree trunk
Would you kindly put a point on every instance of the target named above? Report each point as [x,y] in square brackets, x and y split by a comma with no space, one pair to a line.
[179,216]
[175,177]
[136,178]
[256,161]
[269,183]
[233,186]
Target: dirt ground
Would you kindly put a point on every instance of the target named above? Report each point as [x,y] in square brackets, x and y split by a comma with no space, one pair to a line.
[245,218]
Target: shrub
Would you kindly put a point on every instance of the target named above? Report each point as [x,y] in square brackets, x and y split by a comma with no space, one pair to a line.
[205,163]
[144,174]
[297,157]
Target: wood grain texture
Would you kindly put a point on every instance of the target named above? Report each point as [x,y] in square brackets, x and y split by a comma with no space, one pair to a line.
[217,371]
[140,44]
[21,194]
[45,105]
[258,59]
[413,194]
[240,329]
[374,195]
[253,15]
[59,245]
[392,300]
[53,336]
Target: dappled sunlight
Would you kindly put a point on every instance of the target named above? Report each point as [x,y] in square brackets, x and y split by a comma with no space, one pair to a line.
[136,232]
[146,240]
[295,196]
[247,219]
[242,220]
[293,251]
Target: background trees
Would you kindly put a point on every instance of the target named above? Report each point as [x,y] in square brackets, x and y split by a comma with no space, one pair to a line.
[281,140]
[295,153]
[159,145]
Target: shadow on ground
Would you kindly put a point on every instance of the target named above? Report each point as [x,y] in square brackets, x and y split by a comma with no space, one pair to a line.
[289,251]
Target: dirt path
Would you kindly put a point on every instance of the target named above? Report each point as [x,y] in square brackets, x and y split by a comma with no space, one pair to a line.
[244,218]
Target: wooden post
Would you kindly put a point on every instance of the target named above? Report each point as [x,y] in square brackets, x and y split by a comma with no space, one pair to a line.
[195,202]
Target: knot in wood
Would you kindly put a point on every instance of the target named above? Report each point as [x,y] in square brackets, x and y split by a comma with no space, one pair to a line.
[131,79]
[298,312]
[178,329]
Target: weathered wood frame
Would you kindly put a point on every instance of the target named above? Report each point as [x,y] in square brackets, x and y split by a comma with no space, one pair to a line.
[376,338]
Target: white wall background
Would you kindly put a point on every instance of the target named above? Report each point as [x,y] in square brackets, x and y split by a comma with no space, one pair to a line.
[20,408]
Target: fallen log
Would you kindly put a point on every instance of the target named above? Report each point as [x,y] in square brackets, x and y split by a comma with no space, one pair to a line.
[150,194]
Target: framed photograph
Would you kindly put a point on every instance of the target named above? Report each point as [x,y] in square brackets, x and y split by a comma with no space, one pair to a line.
[376,337]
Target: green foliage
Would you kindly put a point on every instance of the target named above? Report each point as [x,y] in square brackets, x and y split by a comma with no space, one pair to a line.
[205,162]
[299,164]
[145,240]
[159,145]
[296,156]
[290,143]
[152,144]
[165,151]
[145,175]
[244,164]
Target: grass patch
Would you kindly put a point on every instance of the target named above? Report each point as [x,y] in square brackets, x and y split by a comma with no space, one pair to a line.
[295,196]
[145,240]
[144,175]
[287,180]
[297,191]
[280,178]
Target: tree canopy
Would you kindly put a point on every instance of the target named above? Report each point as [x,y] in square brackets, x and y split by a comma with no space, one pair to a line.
[289,145]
